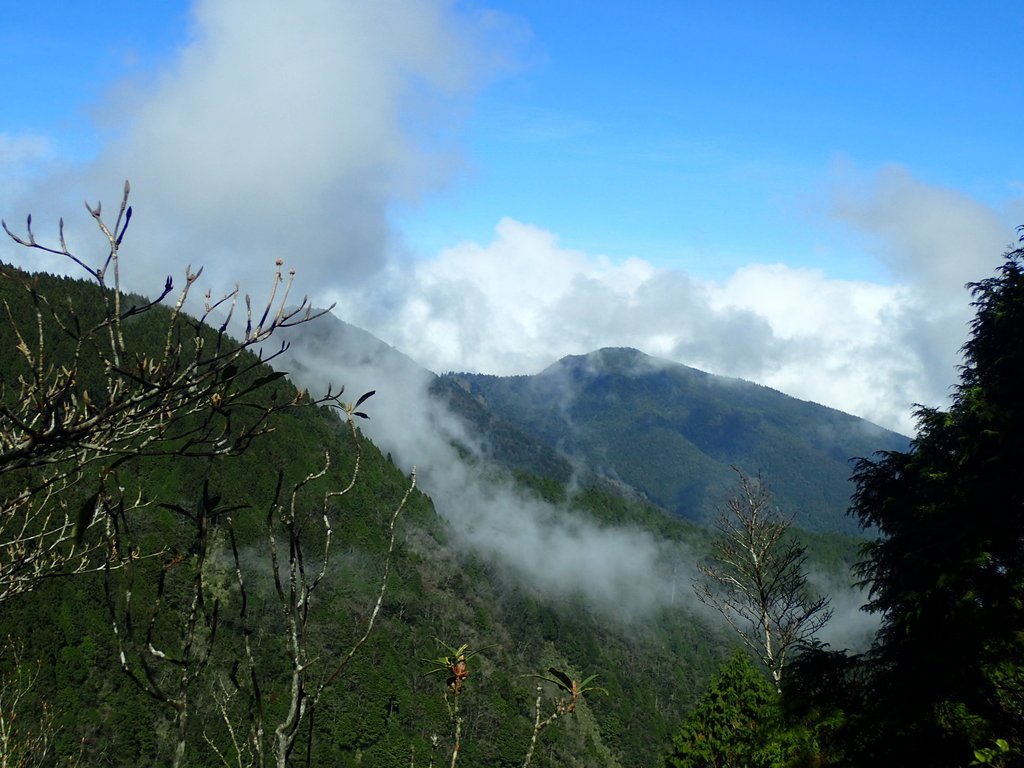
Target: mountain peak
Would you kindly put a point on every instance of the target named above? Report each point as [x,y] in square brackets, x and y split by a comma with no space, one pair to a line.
[620,360]
[674,433]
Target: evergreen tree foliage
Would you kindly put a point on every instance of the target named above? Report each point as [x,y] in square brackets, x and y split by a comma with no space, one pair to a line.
[737,723]
[947,571]
[383,708]
[177,636]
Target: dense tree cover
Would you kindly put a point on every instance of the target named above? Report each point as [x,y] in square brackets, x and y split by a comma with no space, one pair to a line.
[947,572]
[738,723]
[382,708]
[673,432]
[944,681]
[90,387]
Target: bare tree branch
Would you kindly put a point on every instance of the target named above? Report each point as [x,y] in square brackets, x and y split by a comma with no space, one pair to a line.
[295,583]
[757,578]
[76,419]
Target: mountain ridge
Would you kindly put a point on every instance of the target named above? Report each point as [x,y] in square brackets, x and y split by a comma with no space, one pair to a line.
[668,432]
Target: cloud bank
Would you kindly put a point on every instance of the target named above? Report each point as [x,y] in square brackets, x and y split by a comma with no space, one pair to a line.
[520,302]
[282,131]
[624,571]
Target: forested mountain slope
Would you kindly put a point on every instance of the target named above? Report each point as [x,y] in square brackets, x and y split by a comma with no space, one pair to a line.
[382,709]
[641,426]
[673,432]
[241,577]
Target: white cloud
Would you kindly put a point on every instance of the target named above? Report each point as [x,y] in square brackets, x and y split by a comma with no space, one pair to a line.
[504,307]
[284,130]
[935,240]
[833,339]
[930,236]
[522,301]
[16,151]
[22,158]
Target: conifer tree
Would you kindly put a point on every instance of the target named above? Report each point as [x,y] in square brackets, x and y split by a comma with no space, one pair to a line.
[738,722]
[947,570]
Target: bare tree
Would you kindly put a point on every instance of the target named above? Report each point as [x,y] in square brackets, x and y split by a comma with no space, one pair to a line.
[21,744]
[757,578]
[255,742]
[570,693]
[112,400]
[71,428]
[165,665]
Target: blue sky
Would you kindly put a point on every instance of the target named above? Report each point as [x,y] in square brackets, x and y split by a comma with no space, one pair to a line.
[793,193]
[707,132]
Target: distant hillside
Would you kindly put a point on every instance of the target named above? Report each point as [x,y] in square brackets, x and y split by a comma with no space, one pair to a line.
[615,417]
[410,397]
[672,432]
[383,707]
[534,546]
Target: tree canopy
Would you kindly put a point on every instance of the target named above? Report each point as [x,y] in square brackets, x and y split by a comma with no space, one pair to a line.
[947,569]
[738,722]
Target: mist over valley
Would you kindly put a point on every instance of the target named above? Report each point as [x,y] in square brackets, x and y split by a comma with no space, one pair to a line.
[503,458]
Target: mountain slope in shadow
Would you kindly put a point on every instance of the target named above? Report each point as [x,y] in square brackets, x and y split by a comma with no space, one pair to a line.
[674,432]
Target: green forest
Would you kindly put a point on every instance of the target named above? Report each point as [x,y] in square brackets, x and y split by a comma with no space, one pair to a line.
[202,565]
